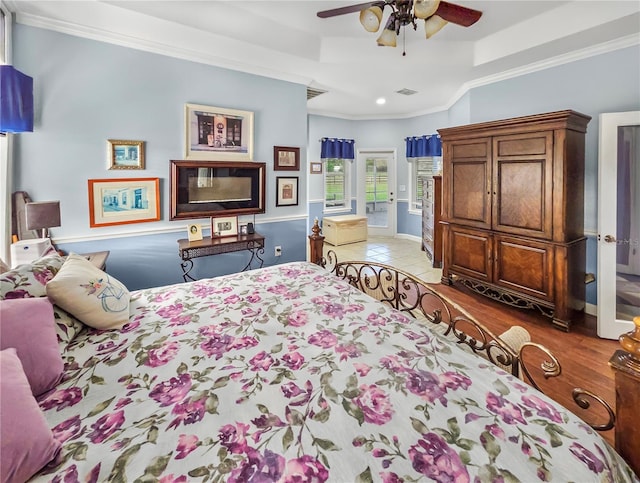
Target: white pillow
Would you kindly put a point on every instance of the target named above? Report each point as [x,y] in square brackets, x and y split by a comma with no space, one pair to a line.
[89,294]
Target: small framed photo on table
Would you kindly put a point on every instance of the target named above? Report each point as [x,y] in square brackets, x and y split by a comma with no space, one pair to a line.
[244,230]
[194,232]
[224,226]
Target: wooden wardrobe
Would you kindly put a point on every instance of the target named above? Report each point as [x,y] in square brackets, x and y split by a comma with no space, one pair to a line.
[431,213]
[513,211]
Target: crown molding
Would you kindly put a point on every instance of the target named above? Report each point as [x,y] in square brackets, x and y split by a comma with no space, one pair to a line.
[155,47]
[203,57]
[603,48]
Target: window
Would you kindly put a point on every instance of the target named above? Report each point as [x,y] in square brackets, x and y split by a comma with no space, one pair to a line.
[336,184]
[420,168]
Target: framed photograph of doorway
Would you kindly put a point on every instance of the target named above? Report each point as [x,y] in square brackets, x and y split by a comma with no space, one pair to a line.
[124,200]
[218,133]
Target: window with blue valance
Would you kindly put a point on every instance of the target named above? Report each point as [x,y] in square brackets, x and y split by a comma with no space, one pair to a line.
[336,155]
[423,146]
[333,148]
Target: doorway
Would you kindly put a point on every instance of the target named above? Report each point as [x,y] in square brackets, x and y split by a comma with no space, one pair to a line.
[376,190]
[618,223]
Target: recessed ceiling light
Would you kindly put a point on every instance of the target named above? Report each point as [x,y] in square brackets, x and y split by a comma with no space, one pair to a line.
[380,100]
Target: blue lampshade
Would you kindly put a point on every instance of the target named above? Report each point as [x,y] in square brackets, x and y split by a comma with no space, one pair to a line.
[16,100]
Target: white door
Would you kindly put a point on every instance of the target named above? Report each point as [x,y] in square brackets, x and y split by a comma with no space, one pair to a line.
[376,190]
[618,223]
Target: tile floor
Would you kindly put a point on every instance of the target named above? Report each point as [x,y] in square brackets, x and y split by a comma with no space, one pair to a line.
[401,253]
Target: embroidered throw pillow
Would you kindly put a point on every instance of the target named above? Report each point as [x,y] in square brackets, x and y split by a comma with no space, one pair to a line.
[28,326]
[89,294]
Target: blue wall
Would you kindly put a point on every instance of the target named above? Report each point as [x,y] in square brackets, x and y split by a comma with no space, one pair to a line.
[607,82]
[87,92]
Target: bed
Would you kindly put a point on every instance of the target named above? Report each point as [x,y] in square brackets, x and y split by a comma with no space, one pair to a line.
[289,373]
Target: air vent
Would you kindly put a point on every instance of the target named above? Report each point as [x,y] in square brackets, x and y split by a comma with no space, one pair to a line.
[407,92]
[311,93]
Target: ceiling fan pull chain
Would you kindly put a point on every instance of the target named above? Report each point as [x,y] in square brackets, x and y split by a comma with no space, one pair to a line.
[404,42]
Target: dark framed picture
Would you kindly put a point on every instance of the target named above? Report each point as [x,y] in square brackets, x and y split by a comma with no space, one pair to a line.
[286,191]
[315,168]
[221,188]
[244,230]
[286,159]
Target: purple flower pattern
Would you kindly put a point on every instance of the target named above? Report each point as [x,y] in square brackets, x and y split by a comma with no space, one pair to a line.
[236,384]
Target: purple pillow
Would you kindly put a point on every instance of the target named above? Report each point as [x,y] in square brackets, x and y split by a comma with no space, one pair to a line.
[28,325]
[26,442]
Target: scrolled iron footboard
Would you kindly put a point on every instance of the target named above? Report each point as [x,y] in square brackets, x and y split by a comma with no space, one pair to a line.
[511,350]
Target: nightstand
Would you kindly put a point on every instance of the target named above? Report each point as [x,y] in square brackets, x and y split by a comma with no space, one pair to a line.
[99,259]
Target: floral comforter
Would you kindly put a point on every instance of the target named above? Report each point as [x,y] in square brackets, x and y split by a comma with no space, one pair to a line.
[289,374]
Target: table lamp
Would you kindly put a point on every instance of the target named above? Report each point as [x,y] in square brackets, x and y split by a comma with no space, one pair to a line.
[42,215]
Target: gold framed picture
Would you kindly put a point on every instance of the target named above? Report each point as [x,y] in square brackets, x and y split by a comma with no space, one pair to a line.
[194,232]
[125,154]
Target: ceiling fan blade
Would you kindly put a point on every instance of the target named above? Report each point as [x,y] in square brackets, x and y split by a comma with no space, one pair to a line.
[350,9]
[458,14]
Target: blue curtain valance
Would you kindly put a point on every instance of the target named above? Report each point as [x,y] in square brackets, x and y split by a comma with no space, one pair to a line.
[423,146]
[337,148]
[16,100]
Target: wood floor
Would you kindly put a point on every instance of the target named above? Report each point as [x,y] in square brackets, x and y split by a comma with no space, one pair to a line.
[583,356]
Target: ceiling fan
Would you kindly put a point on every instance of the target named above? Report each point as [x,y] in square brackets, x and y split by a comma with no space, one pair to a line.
[435,13]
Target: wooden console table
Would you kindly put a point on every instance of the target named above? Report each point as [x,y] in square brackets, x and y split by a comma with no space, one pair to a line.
[189,250]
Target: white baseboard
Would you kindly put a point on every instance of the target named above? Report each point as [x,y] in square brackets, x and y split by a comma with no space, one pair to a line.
[591,309]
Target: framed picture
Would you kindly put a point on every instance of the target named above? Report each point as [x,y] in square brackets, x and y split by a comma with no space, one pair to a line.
[286,191]
[224,226]
[124,200]
[315,168]
[286,159]
[244,230]
[203,189]
[216,133]
[194,232]
[125,154]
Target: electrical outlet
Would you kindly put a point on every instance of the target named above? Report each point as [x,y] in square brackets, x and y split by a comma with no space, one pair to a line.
[278,251]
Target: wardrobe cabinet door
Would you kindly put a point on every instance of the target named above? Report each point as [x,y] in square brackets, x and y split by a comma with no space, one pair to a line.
[467,183]
[469,253]
[523,184]
[525,266]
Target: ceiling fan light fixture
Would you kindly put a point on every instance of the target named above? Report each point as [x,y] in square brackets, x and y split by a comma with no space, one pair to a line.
[370,18]
[433,25]
[388,36]
[423,9]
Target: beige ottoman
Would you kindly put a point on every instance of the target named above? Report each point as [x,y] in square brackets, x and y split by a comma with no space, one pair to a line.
[340,230]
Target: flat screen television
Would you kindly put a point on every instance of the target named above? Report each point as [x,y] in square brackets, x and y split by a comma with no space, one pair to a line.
[216,188]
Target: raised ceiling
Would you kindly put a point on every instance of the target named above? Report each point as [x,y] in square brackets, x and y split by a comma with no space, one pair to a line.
[286,40]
